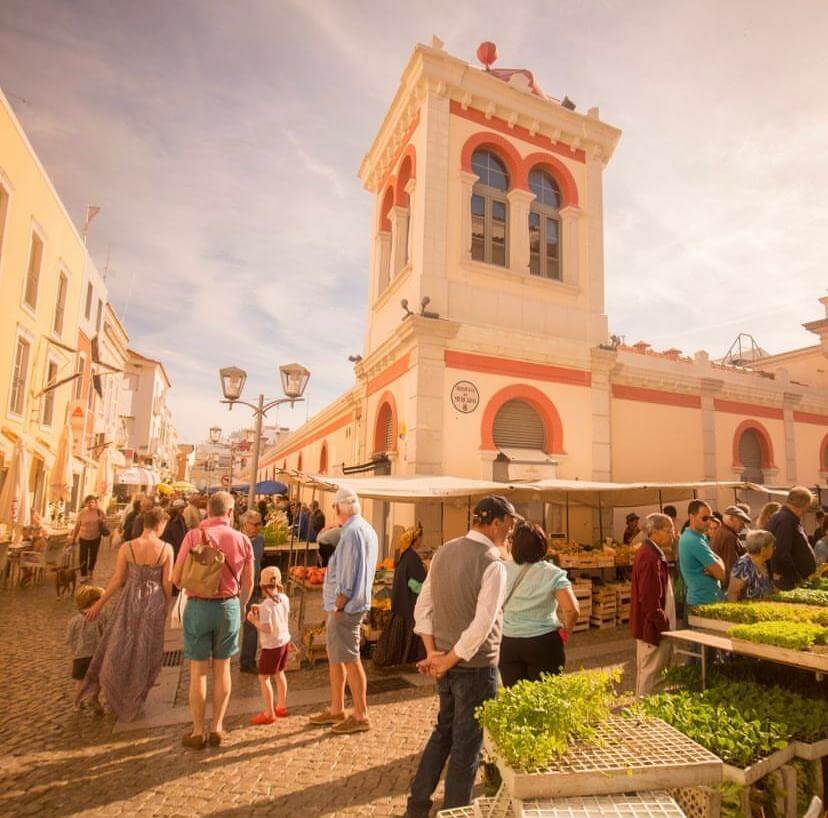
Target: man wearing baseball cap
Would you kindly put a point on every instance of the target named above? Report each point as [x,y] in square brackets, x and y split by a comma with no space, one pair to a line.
[725,542]
[458,615]
[346,597]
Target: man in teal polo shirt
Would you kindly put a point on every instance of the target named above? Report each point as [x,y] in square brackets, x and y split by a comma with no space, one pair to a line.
[702,570]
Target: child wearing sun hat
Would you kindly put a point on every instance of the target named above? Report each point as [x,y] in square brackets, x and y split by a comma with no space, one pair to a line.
[270,618]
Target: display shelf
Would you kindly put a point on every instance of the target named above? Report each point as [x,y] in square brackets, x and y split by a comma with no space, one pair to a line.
[706,624]
[627,755]
[750,775]
[654,804]
[811,751]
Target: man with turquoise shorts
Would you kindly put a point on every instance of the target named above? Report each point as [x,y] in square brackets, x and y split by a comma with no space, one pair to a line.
[211,624]
[702,570]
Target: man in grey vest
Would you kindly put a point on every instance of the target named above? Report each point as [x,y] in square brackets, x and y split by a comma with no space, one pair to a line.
[458,615]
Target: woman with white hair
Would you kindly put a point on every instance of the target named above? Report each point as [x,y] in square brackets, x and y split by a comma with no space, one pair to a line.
[750,578]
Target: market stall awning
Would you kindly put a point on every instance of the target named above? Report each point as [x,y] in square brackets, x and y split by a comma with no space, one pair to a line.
[409,488]
[436,488]
[136,476]
[595,493]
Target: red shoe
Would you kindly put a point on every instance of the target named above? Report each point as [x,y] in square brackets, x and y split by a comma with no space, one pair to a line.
[281,712]
[262,718]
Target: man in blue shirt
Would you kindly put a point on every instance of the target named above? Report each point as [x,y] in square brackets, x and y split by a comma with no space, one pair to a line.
[346,597]
[702,571]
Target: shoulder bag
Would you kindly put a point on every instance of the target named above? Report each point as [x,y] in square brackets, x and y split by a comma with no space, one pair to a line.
[201,574]
[518,579]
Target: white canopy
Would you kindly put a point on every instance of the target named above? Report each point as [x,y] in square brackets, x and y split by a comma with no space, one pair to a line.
[438,488]
[137,476]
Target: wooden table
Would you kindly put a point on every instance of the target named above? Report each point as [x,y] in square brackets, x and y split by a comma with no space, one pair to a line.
[802,659]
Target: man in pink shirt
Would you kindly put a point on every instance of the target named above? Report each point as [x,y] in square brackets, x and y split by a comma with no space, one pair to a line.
[211,625]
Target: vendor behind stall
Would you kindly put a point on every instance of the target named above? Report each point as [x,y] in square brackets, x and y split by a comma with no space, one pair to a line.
[398,644]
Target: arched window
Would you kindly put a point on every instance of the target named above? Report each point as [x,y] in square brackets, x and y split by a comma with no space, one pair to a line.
[299,462]
[384,239]
[385,429]
[517,425]
[489,208]
[544,226]
[751,456]
[323,459]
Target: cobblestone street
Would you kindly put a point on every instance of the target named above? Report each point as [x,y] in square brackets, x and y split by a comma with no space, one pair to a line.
[59,763]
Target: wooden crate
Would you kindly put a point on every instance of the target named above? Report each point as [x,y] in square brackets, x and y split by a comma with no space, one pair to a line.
[699,802]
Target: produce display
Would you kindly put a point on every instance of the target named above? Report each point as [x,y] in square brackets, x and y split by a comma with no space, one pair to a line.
[720,727]
[791,635]
[276,530]
[533,723]
[749,612]
[307,576]
[738,719]
[805,596]
[571,554]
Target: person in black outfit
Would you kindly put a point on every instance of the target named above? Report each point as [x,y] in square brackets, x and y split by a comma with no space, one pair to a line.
[129,520]
[793,558]
[176,527]
[317,520]
[398,644]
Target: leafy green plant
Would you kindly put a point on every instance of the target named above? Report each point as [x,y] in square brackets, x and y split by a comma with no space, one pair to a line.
[749,612]
[808,774]
[817,583]
[719,726]
[744,685]
[805,596]
[792,635]
[731,800]
[533,723]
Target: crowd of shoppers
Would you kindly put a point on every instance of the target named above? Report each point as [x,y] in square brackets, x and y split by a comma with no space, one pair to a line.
[489,604]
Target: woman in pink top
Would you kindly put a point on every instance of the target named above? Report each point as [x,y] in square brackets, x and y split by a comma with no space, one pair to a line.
[88,530]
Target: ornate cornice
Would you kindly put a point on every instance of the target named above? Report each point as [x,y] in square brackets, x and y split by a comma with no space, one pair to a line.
[433,72]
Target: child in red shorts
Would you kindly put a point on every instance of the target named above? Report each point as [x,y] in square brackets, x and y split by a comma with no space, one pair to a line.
[270,618]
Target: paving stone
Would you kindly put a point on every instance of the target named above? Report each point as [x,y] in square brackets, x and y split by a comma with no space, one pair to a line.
[57,762]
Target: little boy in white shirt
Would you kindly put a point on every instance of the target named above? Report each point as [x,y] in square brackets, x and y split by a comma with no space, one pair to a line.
[270,618]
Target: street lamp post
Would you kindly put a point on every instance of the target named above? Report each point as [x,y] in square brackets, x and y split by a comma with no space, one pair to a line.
[294,381]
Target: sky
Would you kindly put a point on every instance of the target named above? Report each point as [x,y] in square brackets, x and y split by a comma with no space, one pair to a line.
[222,141]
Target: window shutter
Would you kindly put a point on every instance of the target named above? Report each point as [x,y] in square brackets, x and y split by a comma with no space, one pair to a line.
[386,430]
[750,453]
[517,425]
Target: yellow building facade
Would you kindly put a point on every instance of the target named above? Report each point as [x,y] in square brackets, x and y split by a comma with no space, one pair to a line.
[42,264]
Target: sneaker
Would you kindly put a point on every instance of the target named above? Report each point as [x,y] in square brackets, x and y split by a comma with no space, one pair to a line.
[281,712]
[326,717]
[263,718]
[351,725]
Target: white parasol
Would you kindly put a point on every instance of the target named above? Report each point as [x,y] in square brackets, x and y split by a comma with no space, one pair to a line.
[15,502]
[104,476]
[60,480]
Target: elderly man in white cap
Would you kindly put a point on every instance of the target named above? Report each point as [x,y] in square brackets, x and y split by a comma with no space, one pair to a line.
[346,596]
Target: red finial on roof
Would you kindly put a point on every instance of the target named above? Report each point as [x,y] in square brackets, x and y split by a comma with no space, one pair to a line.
[487,54]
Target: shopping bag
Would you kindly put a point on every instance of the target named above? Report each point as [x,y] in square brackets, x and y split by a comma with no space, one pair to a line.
[177,613]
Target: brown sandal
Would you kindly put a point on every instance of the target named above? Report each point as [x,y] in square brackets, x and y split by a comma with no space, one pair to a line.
[193,742]
[215,739]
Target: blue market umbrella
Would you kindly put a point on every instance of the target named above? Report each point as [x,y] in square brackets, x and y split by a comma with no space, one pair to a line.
[271,487]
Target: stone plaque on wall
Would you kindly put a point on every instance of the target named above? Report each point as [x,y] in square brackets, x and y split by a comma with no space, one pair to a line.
[464,397]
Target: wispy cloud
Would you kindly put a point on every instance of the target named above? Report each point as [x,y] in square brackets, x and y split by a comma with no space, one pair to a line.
[224,147]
